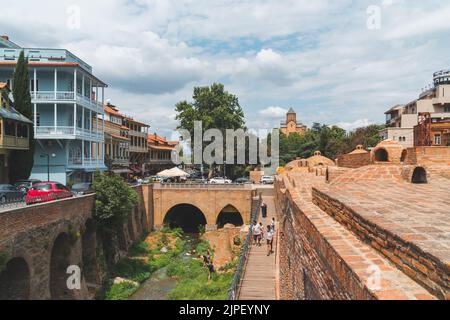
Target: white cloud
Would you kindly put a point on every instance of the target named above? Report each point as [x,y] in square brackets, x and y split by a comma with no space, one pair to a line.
[273,112]
[354,125]
[317,56]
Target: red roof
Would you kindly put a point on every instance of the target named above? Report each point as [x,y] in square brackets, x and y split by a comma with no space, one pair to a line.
[3,85]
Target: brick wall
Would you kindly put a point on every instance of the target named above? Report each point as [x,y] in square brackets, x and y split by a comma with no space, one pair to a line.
[428,156]
[424,268]
[310,268]
[354,160]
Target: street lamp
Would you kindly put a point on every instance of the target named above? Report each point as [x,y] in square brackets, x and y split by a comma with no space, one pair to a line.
[48,155]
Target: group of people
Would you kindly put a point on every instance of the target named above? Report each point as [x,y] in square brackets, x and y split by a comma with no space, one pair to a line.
[260,235]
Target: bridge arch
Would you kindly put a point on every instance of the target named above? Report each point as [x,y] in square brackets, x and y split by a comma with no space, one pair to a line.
[229,215]
[59,262]
[15,280]
[185,216]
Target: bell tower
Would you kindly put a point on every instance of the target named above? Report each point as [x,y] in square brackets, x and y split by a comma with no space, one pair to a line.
[291,116]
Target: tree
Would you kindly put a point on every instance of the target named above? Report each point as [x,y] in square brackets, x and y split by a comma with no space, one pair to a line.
[21,161]
[214,107]
[114,201]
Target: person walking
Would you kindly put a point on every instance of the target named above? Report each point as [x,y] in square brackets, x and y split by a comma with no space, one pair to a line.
[262,231]
[269,238]
[264,210]
[256,232]
[272,225]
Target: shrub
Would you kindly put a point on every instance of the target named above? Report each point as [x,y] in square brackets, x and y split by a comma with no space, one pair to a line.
[120,291]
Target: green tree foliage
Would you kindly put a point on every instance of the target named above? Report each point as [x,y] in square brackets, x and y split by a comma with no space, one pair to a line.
[21,161]
[331,141]
[214,107]
[114,201]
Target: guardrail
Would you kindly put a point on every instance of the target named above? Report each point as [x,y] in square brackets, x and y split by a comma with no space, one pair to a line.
[16,202]
[233,293]
[202,186]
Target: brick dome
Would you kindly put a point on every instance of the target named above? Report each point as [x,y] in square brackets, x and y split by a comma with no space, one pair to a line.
[387,151]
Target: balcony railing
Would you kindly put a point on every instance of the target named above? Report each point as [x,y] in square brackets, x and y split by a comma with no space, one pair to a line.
[69,96]
[68,131]
[88,162]
[15,142]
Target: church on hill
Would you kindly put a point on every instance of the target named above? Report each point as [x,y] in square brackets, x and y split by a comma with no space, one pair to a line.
[291,125]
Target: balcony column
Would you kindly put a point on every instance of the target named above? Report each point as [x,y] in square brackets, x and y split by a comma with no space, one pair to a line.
[35,83]
[90,91]
[74,118]
[82,86]
[56,83]
[103,124]
[96,108]
[56,116]
[75,84]
[82,119]
[35,118]
[82,152]
[90,122]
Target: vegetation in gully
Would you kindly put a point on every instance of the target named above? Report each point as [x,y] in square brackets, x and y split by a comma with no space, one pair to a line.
[170,249]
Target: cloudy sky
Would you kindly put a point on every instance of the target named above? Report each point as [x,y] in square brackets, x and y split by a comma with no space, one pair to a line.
[333,61]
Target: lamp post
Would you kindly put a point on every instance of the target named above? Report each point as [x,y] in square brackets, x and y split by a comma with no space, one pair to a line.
[48,155]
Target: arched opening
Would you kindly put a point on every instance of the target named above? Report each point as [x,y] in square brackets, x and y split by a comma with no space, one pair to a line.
[229,215]
[381,155]
[15,280]
[88,242]
[419,176]
[60,261]
[185,216]
[404,154]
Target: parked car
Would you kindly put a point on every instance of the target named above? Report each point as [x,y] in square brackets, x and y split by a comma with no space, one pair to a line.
[267,180]
[9,193]
[243,180]
[81,189]
[25,185]
[47,191]
[220,180]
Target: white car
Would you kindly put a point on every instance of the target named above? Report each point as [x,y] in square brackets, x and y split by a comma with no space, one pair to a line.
[267,180]
[220,180]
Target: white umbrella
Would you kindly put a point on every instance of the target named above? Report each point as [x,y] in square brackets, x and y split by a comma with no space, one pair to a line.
[173,173]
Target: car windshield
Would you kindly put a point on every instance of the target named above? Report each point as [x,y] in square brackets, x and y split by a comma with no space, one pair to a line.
[43,187]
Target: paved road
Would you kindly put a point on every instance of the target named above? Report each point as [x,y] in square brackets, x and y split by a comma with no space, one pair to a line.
[260,273]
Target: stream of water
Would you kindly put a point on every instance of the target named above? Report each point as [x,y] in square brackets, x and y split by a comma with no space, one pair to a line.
[159,285]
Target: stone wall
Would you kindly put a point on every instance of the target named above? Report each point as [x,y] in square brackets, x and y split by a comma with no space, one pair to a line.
[428,156]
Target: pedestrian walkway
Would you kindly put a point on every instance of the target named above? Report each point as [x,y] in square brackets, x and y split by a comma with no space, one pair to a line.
[258,282]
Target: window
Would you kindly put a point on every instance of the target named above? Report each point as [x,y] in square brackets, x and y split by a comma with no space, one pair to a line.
[43,187]
[447,109]
[437,139]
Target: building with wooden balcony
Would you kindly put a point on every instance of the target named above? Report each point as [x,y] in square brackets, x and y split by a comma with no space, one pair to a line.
[14,131]
[67,101]
[138,134]
[159,154]
[117,141]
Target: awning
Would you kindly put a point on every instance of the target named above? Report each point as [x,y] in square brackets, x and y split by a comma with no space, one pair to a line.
[173,173]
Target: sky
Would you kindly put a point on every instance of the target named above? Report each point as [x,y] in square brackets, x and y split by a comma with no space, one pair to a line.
[335,62]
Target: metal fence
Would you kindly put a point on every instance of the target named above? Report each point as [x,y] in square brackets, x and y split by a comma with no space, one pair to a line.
[9,203]
[233,293]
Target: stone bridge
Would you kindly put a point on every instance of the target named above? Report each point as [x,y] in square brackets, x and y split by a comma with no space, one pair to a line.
[38,243]
[211,205]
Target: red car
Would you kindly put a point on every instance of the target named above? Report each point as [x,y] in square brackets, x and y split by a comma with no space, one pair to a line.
[47,191]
